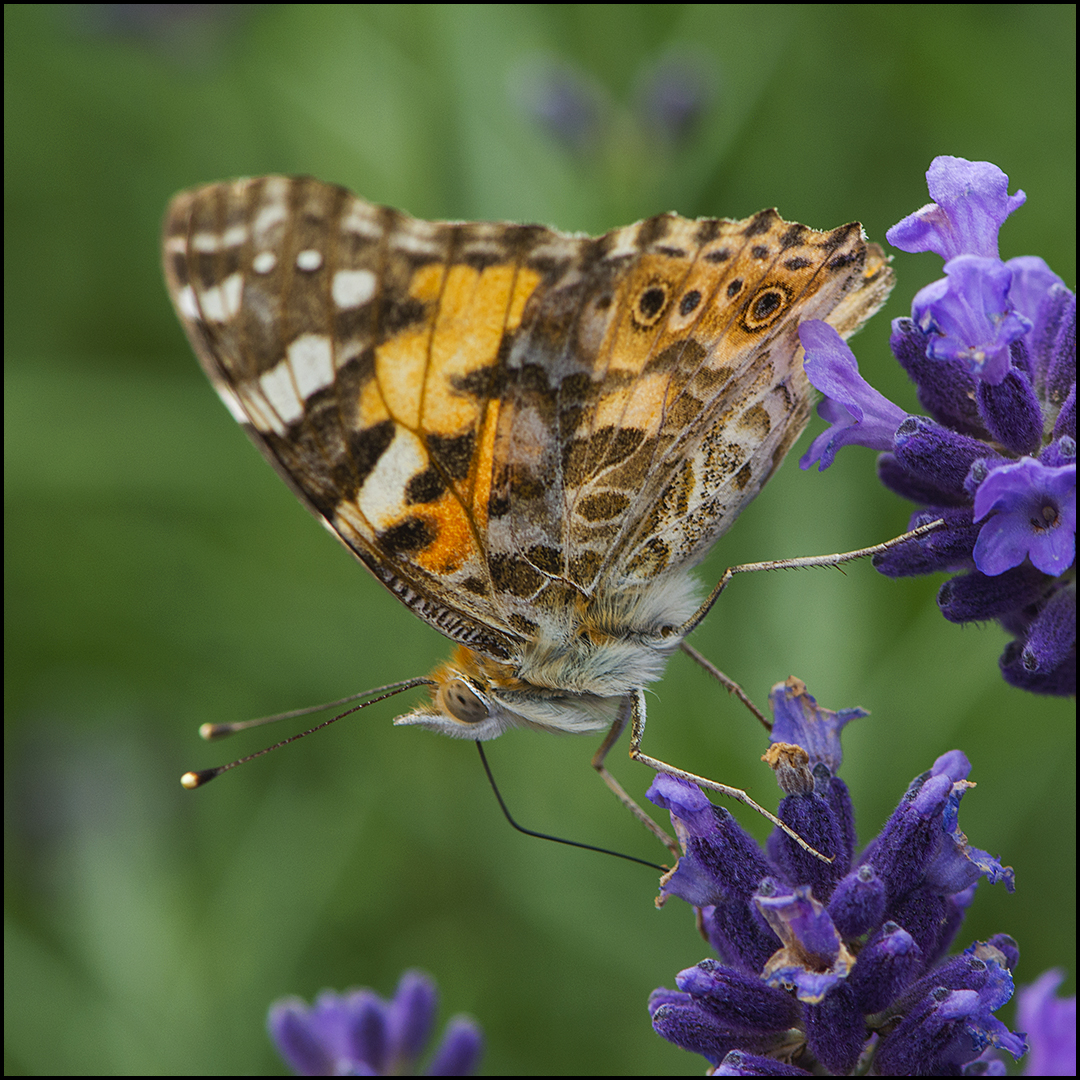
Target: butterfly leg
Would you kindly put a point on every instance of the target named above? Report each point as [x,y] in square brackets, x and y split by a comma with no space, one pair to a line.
[729,684]
[637,729]
[804,563]
[629,704]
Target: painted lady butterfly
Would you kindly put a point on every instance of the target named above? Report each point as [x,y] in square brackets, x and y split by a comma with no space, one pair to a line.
[528,437]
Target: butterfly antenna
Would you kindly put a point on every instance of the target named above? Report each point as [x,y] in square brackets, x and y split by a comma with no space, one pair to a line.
[195,779]
[555,839]
[211,732]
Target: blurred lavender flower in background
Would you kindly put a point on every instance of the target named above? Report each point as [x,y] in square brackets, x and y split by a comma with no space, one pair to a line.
[673,95]
[668,101]
[1050,1023]
[563,101]
[358,1033]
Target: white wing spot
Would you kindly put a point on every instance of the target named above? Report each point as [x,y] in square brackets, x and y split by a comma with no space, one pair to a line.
[233,236]
[311,358]
[204,241]
[415,245]
[625,243]
[310,259]
[222,302]
[232,403]
[281,395]
[421,230]
[258,409]
[264,262]
[381,499]
[351,288]
[269,217]
[361,219]
[187,304]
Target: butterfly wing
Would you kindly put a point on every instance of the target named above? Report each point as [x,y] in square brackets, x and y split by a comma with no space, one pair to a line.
[667,364]
[723,375]
[499,420]
[360,350]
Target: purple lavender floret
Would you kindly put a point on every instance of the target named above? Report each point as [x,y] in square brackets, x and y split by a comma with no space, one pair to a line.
[838,967]
[991,349]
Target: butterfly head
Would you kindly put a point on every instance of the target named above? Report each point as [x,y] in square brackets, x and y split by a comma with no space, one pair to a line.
[475,697]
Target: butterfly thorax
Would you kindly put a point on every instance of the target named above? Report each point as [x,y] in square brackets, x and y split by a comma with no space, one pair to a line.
[573,675]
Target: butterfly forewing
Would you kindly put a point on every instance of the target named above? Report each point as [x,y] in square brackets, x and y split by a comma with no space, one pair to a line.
[529,437]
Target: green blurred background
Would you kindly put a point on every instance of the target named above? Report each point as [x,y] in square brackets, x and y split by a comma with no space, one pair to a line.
[159,575]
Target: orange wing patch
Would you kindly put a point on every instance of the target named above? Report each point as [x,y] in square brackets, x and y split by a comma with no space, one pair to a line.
[429,493]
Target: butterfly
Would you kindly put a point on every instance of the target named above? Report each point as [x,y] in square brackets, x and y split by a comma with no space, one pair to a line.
[529,437]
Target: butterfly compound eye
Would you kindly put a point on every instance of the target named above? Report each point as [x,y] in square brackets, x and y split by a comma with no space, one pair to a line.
[461,703]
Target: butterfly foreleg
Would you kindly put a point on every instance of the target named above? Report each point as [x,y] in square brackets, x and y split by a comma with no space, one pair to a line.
[729,684]
[630,706]
[637,730]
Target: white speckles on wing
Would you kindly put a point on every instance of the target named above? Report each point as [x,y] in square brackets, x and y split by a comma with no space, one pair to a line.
[625,242]
[418,238]
[258,410]
[360,218]
[264,262]
[232,403]
[274,209]
[206,242]
[308,368]
[187,305]
[309,259]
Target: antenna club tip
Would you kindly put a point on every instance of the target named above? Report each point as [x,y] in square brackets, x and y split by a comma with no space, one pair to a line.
[192,780]
[210,732]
